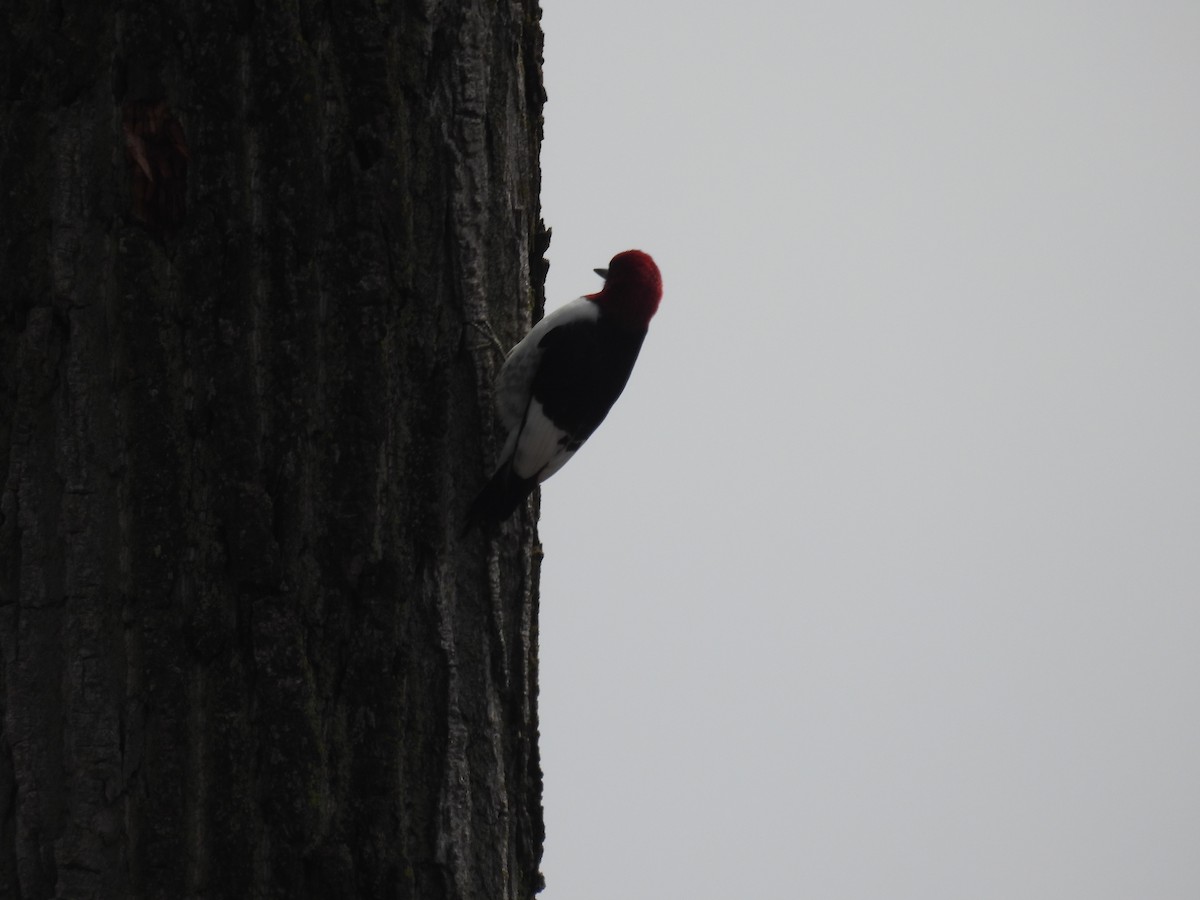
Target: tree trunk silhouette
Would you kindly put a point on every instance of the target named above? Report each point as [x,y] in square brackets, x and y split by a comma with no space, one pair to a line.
[253,259]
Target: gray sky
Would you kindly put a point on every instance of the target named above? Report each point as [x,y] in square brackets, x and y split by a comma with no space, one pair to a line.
[882,580]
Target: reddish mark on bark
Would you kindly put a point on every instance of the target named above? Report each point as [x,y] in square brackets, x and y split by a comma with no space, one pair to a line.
[158,155]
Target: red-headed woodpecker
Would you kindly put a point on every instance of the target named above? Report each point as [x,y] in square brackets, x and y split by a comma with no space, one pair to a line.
[560,381]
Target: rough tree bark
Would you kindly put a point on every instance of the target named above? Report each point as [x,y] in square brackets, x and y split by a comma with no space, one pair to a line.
[244,401]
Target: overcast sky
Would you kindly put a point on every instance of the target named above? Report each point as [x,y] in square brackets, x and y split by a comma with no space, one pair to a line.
[882,580]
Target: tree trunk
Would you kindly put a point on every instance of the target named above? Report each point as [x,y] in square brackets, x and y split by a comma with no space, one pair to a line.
[250,257]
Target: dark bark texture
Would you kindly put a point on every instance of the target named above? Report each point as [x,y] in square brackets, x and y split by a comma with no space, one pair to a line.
[253,254]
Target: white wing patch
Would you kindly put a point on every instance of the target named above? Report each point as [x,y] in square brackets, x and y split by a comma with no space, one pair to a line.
[540,446]
[556,462]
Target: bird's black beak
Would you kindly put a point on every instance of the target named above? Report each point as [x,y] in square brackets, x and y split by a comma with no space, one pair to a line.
[603,273]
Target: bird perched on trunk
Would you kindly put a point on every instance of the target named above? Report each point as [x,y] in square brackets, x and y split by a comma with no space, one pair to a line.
[560,381]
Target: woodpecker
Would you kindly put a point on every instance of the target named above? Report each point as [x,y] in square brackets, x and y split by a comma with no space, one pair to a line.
[557,385]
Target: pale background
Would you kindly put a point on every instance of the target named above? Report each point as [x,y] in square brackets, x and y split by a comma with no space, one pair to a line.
[882,580]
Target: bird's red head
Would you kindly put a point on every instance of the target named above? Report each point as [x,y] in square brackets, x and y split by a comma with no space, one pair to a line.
[632,289]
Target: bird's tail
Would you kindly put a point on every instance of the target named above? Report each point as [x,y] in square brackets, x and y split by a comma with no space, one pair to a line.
[499,498]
